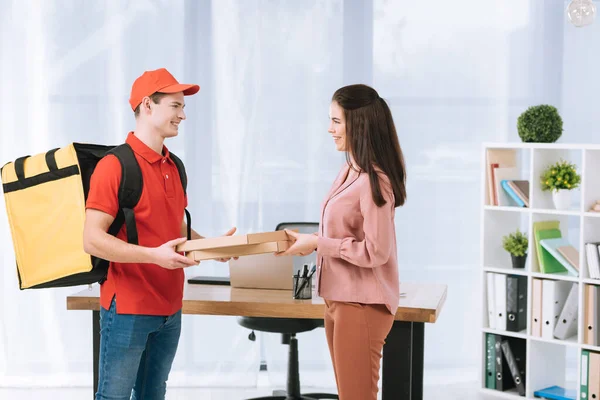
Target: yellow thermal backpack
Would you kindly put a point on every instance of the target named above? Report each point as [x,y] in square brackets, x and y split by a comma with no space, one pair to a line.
[45,199]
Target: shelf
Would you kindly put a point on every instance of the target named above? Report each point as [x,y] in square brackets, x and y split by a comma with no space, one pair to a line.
[591,348]
[508,271]
[518,335]
[556,277]
[506,208]
[552,211]
[591,281]
[509,394]
[572,341]
[556,146]
[577,225]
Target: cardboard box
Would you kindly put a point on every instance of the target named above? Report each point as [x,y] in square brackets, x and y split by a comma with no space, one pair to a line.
[238,251]
[235,246]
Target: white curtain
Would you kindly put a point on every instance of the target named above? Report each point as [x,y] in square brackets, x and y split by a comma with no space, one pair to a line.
[455,73]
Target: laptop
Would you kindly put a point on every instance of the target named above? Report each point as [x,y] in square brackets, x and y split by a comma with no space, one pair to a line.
[262,271]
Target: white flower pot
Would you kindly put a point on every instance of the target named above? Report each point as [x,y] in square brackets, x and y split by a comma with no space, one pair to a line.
[561,199]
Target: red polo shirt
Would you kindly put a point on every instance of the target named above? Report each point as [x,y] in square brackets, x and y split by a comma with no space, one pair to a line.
[146,289]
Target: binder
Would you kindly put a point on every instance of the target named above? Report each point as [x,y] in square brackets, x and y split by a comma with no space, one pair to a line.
[583,389]
[590,335]
[536,307]
[594,376]
[553,300]
[552,245]
[593,261]
[500,300]
[490,366]
[516,369]
[503,379]
[500,174]
[491,300]
[566,325]
[516,303]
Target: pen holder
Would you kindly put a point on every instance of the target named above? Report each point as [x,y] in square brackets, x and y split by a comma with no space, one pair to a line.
[305,286]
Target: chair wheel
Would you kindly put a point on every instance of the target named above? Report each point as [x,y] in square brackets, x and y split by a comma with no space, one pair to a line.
[252,336]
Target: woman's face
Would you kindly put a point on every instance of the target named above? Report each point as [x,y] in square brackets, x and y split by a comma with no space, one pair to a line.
[337,126]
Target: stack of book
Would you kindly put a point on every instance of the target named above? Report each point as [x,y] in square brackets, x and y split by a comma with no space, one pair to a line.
[554,253]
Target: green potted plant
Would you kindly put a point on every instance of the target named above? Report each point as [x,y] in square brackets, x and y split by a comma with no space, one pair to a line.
[541,124]
[516,244]
[561,178]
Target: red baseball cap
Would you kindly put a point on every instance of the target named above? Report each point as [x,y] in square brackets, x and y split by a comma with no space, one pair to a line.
[158,80]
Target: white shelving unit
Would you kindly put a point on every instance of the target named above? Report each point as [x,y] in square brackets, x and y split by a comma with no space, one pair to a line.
[546,359]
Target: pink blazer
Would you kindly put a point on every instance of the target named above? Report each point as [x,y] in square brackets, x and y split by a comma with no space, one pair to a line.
[356,253]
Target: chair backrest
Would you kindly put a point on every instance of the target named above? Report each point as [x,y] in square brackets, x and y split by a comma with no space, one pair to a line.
[301,227]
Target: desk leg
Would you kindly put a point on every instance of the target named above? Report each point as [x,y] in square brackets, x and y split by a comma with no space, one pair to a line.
[402,372]
[96,345]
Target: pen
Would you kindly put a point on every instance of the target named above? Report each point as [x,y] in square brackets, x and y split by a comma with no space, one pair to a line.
[305,280]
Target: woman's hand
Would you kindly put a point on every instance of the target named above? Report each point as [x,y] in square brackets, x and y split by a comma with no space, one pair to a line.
[304,244]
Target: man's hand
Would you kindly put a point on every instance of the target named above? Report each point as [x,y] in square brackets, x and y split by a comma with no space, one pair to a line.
[304,244]
[166,256]
[229,233]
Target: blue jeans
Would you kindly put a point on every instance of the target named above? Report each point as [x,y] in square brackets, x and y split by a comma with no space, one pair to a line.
[136,353]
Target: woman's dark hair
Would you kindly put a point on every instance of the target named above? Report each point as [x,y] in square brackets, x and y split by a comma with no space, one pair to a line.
[371,139]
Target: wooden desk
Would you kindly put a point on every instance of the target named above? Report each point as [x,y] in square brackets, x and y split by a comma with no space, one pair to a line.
[402,372]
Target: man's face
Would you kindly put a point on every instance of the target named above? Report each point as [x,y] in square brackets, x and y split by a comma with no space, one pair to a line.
[167,114]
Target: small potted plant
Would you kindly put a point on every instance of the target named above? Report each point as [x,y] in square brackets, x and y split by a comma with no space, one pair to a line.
[561,178]
[516,244]
[540,124]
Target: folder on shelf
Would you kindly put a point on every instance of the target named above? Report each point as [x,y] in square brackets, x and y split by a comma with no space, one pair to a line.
[492,200]
[585,365]
[566,326]
[516,303]
[490,362]
[521,189]
[591,315]
[501,174]
[593,259]
[491,303]
[500,301]
[496,158]
[556,393]
[571,254]
[536,307]
[512,194]
[594,371]
[547,230]
[503,379]
[552,245]
[553,300]
[515,358]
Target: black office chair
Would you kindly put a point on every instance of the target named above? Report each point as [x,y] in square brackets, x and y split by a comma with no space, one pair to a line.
[289,327]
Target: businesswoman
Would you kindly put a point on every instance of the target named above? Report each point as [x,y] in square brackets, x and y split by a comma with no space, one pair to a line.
[357,272]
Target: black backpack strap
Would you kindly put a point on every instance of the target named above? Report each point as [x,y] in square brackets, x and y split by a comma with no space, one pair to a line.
[130,191]
[183,177]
